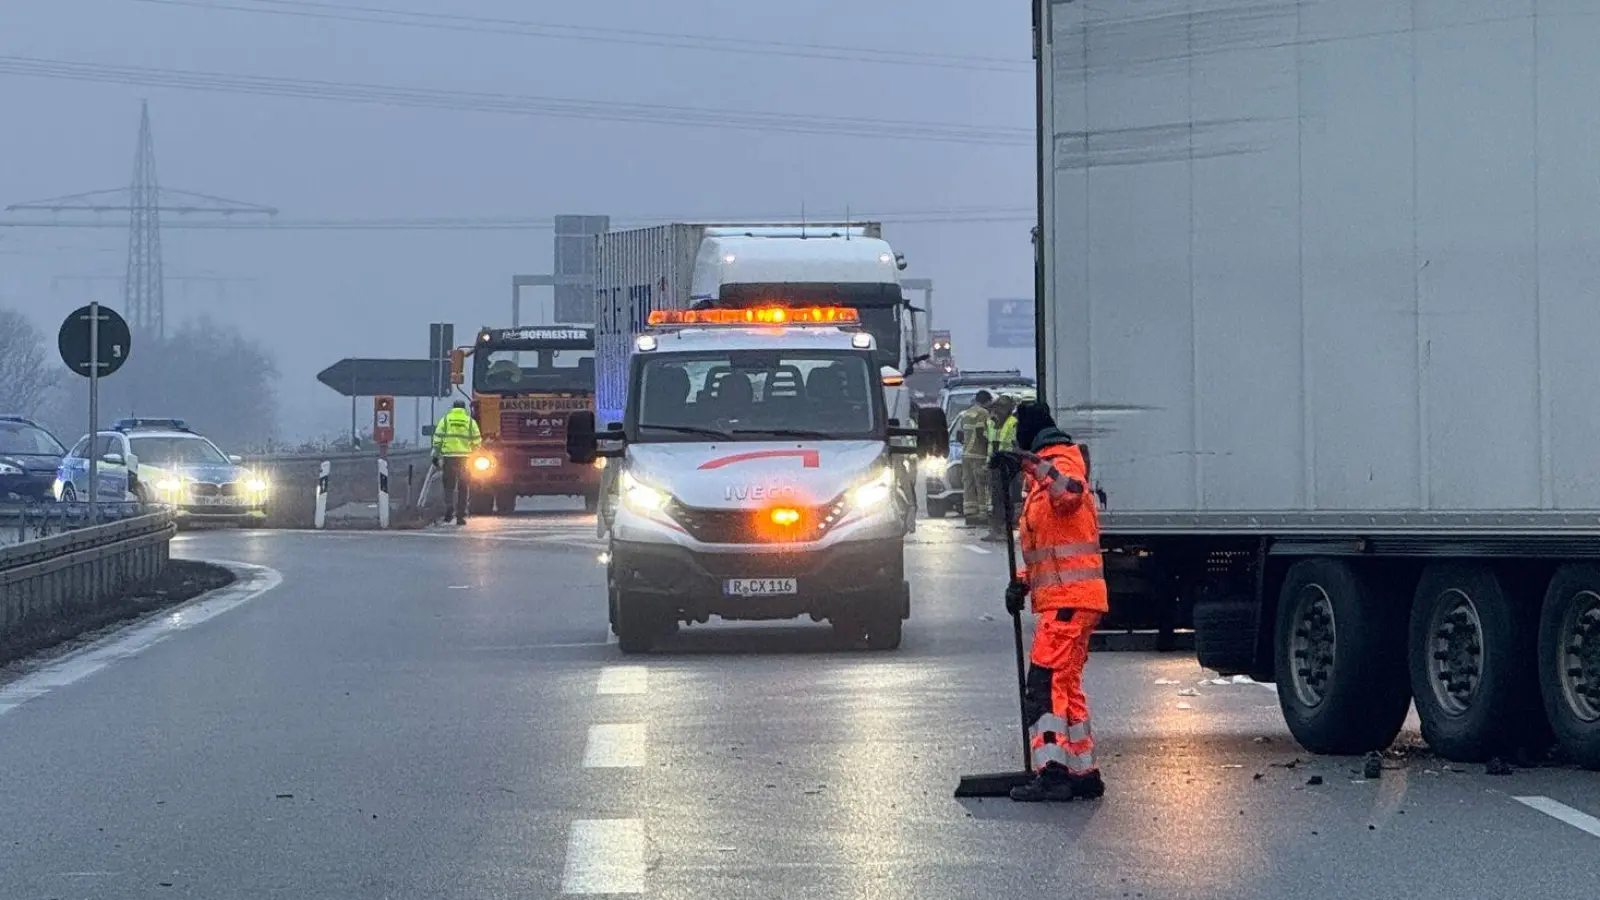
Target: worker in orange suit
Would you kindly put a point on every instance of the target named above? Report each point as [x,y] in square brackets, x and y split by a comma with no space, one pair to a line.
[1060,543]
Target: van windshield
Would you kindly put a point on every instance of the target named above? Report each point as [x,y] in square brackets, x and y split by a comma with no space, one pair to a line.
[755,395]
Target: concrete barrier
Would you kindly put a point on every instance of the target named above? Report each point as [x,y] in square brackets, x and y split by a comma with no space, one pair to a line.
[50,583]
[352,489]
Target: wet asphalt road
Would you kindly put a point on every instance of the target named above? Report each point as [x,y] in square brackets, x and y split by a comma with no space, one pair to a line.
[441,715]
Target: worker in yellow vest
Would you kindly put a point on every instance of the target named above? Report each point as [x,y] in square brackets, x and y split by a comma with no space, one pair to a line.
[455,437]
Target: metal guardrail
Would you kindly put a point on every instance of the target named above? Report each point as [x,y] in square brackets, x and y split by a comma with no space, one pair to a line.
[51,585]
[30,521]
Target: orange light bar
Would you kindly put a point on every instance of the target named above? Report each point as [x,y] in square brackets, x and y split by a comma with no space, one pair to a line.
[759,315]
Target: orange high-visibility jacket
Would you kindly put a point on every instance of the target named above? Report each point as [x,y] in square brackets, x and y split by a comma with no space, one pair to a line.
[1061,532]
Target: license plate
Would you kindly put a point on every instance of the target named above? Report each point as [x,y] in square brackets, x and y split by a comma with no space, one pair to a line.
[217,501]
[546,462]
[760,587]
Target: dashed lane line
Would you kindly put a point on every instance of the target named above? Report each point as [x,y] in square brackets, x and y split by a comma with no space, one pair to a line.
[623,680]
[252,582]
[615,746]
[605,856]
[974,548]
[1562,812]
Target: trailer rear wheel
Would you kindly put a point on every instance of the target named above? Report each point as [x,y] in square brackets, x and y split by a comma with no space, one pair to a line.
[480,502]
[1472,652]
[1340,659]
[1569,661]
[1225,634]
[505,501]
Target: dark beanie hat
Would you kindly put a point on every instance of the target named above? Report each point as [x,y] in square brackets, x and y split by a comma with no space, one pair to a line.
[1033,417]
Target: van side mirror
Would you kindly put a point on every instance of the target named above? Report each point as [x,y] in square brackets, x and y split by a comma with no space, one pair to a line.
[583,444]
[236,459]
[114,459]
[933,432]
[458,366]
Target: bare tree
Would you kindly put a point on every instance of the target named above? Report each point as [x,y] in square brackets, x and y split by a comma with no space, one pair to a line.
[28,376]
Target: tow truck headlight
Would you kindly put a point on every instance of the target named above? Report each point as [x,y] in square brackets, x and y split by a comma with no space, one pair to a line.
[641,497]
[482,463]
[873,492]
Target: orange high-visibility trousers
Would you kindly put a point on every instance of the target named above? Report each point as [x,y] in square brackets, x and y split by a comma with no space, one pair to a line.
[1057,706]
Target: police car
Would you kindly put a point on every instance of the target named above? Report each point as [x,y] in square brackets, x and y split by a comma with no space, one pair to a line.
[161,461]
[755,475]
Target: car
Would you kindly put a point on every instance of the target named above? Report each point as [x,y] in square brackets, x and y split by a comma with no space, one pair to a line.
[941,479]
[161,461]
[29,456]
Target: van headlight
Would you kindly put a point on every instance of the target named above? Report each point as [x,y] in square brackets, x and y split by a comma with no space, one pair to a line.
[873,492]
[641,497]
[936,466]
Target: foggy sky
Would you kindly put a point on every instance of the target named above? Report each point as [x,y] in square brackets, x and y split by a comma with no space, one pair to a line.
[317,296]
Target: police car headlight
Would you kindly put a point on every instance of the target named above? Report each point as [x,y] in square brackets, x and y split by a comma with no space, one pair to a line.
[256,485]
[874,492]
[641,497]
[169,485]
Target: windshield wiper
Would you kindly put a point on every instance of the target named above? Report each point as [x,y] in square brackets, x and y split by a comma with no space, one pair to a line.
[689,429]
[790,432]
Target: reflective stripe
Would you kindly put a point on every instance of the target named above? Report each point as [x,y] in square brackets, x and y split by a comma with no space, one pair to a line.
[1047,723]
[1079,731]
[1050,753]
[1055,577]
[1059,551]
[1078,762]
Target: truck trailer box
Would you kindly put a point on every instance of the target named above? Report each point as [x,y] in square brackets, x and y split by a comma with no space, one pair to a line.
[1325,256]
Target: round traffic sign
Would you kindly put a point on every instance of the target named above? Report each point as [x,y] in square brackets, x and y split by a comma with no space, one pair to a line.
[74,341]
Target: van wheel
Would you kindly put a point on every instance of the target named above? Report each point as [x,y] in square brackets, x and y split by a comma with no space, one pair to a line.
[1473,671]
[633,623]
[1569,661]
[1341,662]
[937,509]
[885,626]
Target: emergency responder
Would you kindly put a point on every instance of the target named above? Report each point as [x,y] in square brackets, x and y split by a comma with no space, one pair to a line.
[1002,439]
[973,426]
[454,439]
[1062,572]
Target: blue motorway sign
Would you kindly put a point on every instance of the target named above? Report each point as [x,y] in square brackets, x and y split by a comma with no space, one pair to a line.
[1010,323]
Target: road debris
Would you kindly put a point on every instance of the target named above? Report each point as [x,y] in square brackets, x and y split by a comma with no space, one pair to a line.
[283,796]
[1166,681]
[1372,767]
[1188,692]
[1314,781]
[1498,766]
[1185,706]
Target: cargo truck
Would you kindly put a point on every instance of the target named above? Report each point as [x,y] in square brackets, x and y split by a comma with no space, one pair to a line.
[1318,290]
[525,382]
[680,266]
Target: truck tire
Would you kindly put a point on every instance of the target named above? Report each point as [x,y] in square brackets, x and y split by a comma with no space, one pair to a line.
[1225,634]
[480,503]
[634,622]
[937,509]
[1340,661]
[1569,661]
[1474,674]
[591,502]
[505,501]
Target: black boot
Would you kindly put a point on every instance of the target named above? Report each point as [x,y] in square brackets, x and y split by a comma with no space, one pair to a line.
[1050,785]
[1087,787]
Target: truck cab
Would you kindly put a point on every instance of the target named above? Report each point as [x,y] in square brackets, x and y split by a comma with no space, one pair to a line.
[525,382]
[844,266]
[755,476]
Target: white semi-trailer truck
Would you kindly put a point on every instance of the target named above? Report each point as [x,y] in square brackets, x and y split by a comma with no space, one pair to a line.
[1320,288]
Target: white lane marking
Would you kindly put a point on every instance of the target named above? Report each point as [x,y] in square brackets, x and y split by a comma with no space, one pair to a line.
[253,581]
[974,548]
[605,856]
[1555,809]
[623,680]
[614,746]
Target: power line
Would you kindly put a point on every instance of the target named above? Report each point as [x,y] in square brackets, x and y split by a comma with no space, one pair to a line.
[951,216]
[434,21]
[514,104]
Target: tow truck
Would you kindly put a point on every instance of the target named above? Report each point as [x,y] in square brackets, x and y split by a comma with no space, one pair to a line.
[525,382]
[753,476]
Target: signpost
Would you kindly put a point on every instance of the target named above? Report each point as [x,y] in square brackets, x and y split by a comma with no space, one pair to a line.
[1011,323]
[94,342]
